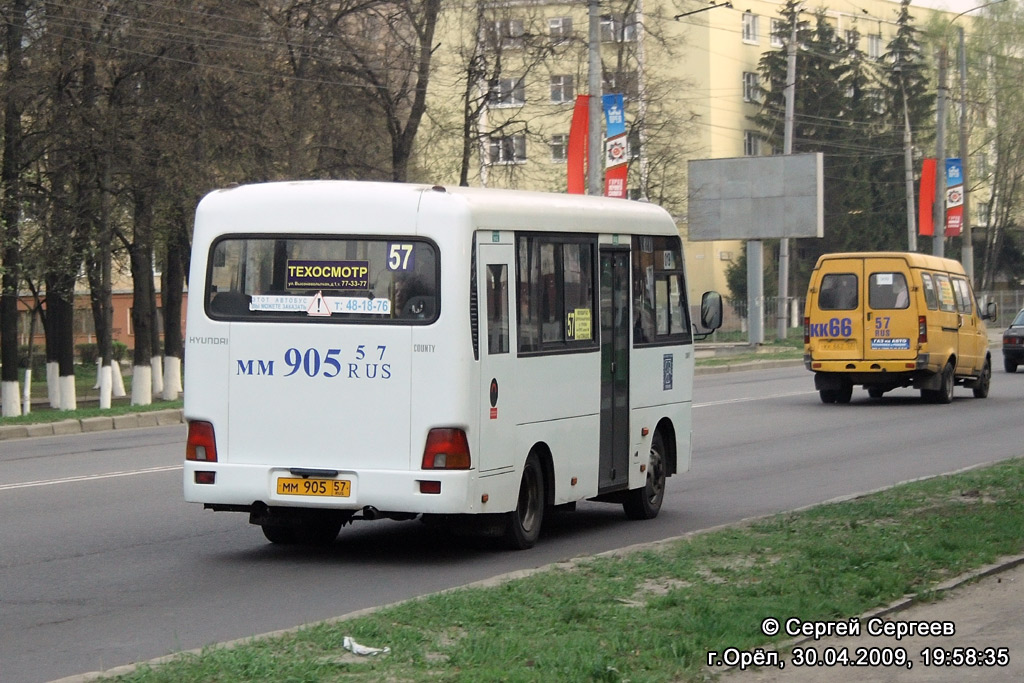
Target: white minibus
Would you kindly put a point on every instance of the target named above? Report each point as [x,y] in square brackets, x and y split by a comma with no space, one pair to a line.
[473,357]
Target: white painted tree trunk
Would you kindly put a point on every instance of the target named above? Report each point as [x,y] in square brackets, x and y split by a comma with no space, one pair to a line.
[157,371]
[53,384]
[142,385]
[68,395]
[172,378]
[118,391]
[106,385]
[11,398]
[26,398]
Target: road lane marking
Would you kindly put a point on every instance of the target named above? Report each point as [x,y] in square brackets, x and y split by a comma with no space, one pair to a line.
[747,399]
[87,477]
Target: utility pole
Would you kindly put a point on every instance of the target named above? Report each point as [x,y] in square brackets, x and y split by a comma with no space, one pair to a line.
[782,321]
[595,157]
[908,163]
[967,253]
[939,207]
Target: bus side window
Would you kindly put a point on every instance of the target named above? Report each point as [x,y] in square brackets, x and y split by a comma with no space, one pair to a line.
[497,308]
[930,296]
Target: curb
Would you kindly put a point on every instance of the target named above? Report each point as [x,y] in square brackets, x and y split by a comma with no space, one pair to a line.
[748,365]
[154,418]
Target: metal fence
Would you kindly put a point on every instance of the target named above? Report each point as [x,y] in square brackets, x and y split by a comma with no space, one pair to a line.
[735,323]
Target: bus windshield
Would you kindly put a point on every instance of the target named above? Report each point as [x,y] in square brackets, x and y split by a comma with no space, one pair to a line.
[322,279]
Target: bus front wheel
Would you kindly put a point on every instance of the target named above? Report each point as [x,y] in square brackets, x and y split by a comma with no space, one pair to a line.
[522,525]
[645,502]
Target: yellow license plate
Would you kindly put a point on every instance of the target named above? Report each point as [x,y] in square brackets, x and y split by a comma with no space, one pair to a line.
[298,486]
[837,346]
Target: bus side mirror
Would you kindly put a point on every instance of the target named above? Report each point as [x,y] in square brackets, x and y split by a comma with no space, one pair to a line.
[711,311]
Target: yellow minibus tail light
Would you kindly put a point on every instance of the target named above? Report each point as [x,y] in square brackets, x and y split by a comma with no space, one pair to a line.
[807,330]
[446,449]
[922,329]
[201,445]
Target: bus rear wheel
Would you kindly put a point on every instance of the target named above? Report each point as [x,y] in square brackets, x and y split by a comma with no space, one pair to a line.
[984,382]
[944,394]
[522,525]
[645,502]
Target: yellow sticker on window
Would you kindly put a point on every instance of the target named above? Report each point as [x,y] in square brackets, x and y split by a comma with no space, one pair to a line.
[578,325]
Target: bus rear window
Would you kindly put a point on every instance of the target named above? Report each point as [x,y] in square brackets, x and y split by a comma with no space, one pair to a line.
[320,279]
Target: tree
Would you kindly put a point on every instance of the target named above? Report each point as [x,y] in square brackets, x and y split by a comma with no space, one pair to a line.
[995,72]
[841,110]
[388,46]
[10,205]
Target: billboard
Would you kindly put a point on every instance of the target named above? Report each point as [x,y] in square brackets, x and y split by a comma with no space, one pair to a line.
[756,198]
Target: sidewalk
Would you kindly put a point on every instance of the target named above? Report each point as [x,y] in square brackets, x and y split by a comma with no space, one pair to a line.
[985,613]
[153,418]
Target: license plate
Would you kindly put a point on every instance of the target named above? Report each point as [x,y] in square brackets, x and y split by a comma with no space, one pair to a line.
[837,346]
[298,486]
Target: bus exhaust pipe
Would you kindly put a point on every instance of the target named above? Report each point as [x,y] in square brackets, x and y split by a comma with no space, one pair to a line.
[371,513]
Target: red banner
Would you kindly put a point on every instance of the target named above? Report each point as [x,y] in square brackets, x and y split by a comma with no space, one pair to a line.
[576,154]
[615,181]
[926,202]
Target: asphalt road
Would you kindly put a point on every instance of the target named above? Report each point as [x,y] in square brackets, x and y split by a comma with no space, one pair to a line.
[102,564]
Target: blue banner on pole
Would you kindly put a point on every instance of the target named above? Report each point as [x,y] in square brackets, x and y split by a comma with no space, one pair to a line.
[614,115]
[954,172]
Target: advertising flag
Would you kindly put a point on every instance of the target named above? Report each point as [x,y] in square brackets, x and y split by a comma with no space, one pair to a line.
[616,157]
[576,154]
[926,201]
[954,197]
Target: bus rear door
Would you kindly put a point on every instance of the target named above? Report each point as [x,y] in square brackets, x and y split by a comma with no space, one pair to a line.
[615,328]
[495,272]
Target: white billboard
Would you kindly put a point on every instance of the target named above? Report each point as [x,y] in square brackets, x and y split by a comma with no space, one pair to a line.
[756,198]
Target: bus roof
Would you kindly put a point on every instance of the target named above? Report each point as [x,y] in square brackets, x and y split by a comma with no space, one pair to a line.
[488,209]
[913,259]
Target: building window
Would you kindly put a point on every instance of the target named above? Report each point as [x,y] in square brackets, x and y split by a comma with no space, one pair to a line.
[751,143]
[778,29]
[874,47]
[624,82]
[750,32]
[562,89]
[507,92]
[616,28]
[506,149]
[506,33]
[633,143]
[559,145]
[560,29]
[751,87]
[877,99]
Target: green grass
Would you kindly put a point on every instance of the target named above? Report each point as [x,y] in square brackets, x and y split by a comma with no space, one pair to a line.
[87,397]
[652,615]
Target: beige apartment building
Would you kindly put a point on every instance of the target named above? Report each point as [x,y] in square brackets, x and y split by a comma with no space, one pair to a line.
[507,75]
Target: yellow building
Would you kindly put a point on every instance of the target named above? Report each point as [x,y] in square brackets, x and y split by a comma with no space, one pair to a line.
[507,74]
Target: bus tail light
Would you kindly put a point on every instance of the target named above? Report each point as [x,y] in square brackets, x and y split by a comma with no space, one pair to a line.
[807,330]
[446,449]
[922,329]
[201,445]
